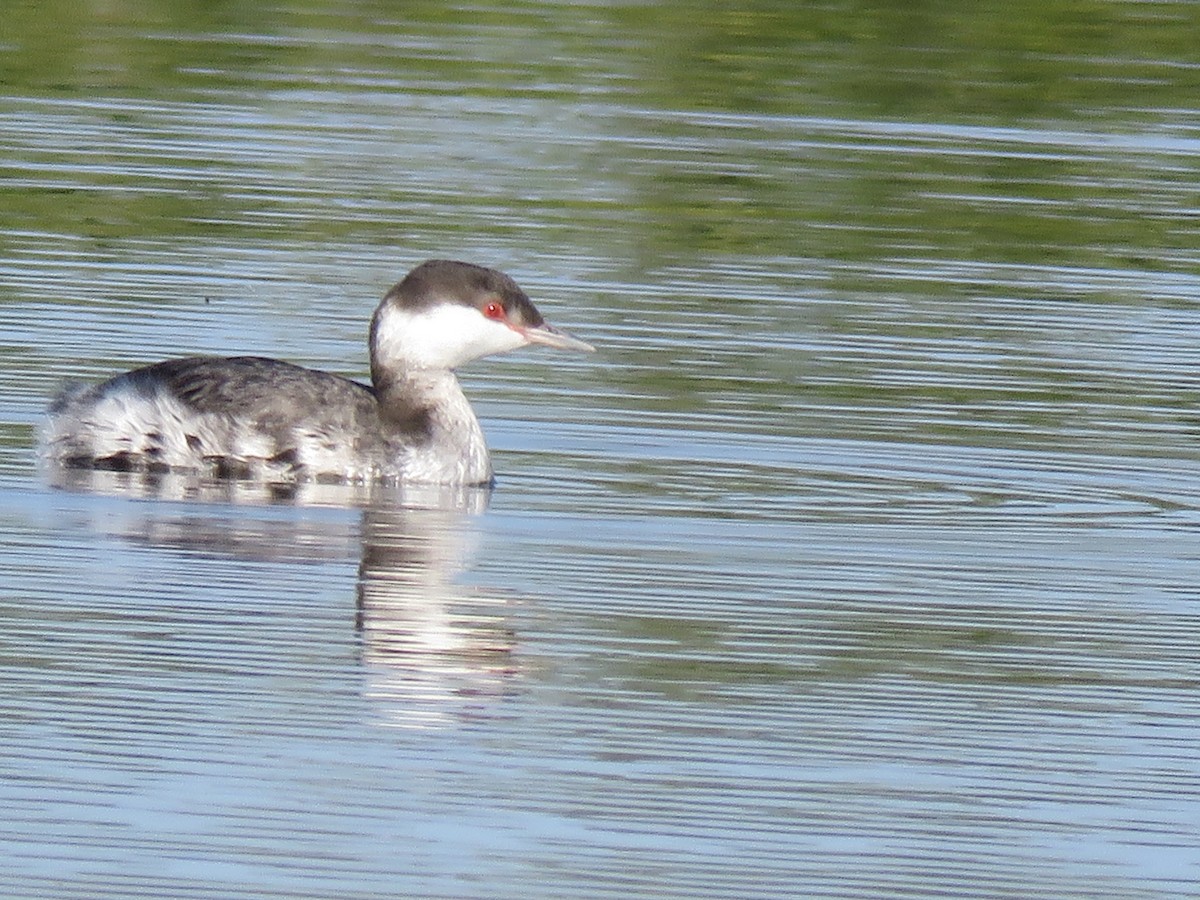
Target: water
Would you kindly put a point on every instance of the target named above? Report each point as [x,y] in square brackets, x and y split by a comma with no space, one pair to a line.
[860,561]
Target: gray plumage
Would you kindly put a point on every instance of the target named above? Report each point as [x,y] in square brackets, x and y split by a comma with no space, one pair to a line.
[251,417]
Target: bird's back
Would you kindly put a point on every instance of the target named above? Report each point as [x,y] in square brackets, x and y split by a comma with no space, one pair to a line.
[229,416]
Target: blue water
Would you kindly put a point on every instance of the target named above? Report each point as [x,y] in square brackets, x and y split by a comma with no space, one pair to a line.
[860,561]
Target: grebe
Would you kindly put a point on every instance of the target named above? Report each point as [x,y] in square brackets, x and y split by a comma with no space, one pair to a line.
[250,417]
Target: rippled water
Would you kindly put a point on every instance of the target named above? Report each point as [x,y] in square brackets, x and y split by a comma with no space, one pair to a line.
[861,560]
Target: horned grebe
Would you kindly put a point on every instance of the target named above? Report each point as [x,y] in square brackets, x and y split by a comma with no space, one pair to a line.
[250,417]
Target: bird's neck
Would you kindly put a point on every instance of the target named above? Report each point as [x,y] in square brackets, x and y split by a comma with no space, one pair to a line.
[437,432]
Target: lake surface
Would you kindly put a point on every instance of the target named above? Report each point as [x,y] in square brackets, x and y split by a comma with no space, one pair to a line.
[862,560]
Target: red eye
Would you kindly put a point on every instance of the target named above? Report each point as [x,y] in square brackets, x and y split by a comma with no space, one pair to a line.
[494,310]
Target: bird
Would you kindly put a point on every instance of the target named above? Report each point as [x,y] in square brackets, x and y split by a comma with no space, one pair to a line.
[249,417]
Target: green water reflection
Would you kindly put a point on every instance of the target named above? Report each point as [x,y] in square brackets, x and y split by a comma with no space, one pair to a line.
[1092,68]
[845,214]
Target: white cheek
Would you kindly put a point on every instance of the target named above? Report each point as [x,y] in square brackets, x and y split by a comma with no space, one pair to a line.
[444,337]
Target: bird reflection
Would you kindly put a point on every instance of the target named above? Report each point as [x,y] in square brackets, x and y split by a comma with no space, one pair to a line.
[433,651]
